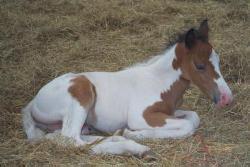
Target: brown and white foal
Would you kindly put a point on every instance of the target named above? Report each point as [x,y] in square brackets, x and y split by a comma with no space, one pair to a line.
[142,99]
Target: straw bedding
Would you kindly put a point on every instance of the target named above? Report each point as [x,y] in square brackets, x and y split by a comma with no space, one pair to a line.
[42,39]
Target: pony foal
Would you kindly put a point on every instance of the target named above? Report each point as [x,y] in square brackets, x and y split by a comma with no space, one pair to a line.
[142,99]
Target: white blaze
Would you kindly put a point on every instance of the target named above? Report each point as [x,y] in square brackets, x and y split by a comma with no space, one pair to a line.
[221,83]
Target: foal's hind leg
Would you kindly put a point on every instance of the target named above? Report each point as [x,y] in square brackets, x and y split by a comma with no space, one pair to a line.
[73,122]
[83,98]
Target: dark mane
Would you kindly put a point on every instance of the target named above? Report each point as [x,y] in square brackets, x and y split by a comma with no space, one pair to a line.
[180,37]
[176,38]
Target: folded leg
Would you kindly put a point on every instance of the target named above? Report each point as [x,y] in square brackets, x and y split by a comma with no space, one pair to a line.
[118,145]
[181,125]
[174,128]
[188,115]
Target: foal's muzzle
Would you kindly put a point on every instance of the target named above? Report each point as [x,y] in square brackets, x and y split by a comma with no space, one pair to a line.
[222,98]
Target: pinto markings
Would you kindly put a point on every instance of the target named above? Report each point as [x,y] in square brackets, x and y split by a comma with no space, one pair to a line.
[156,114]
[83,91]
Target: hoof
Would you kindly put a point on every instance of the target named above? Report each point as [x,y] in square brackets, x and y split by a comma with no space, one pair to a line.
[149,156]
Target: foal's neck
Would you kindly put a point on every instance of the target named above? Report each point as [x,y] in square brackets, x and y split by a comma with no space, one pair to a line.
[175,84]
[173,97]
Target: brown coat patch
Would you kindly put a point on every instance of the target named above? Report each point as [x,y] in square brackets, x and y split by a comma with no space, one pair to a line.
[83,91]
[156,114]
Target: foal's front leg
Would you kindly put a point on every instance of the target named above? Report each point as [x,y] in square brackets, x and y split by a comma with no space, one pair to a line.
[181,125]
[188,115]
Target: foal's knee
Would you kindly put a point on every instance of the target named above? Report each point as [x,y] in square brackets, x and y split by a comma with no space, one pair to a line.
[187,128]
[189,115]
[194,118]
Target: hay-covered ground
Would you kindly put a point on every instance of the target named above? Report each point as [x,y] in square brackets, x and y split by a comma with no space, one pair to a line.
[42,39]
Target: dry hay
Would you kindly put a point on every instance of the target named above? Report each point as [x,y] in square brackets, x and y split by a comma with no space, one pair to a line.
[42,39]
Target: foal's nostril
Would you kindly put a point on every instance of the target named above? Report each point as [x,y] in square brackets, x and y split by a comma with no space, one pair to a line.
[223,97]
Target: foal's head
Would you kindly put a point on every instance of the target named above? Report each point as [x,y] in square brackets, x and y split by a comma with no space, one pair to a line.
[199,64]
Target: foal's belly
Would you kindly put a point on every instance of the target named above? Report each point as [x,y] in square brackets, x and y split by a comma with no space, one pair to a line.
[107,121]
[111,107]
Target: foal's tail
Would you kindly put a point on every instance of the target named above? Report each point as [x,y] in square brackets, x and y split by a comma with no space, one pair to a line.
[29,125]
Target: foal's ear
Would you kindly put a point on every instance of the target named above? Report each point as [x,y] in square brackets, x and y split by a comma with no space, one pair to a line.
[203,30]
[190,38]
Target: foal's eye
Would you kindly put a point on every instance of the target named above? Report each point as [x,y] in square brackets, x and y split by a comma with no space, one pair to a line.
[200,66]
